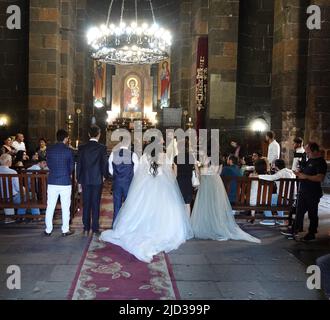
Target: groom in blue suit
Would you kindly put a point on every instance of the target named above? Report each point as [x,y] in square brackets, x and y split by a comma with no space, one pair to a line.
[123,163]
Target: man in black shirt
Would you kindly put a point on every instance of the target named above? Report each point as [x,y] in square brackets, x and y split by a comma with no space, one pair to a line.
[311,175]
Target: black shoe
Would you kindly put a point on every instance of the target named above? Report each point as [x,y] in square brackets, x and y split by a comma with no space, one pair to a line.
[69,233]
[308,237]
[85,233]
[47,234]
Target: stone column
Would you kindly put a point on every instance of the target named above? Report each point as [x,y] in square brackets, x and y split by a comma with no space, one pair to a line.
[318,83]
[289,72]
[44,69]
[181,64]
[223,37]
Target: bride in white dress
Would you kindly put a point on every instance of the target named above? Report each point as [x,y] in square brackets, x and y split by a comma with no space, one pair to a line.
[212,216]
[153,218]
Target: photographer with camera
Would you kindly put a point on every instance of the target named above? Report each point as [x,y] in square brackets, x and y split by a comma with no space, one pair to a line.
[311,174]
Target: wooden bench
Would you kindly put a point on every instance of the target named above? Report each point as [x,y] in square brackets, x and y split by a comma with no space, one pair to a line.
[285,201]
[33,192]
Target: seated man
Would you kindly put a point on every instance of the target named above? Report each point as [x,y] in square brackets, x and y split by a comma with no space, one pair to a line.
[5,164]
[281,172]
[232,170]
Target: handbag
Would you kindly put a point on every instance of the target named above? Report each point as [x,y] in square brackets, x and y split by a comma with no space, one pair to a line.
[194,179]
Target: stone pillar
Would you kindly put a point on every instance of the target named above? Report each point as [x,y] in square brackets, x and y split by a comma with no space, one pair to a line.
[44,69]
[67,38]
[289,72]
[223,37]
[181,54]
[318,83]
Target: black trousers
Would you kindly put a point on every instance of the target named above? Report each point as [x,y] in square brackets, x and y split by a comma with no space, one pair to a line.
[91,206]
[307,203]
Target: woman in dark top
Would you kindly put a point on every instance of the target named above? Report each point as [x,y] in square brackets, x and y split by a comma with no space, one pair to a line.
[184,173]
[8,147]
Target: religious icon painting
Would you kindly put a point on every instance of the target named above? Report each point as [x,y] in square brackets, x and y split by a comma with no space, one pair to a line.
[164,83]
[132,94]
[99,91]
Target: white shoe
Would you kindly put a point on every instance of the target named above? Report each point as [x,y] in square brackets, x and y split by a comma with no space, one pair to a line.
[267,223]
[281,223]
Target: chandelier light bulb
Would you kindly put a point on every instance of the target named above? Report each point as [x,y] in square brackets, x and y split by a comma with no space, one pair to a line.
[131,43]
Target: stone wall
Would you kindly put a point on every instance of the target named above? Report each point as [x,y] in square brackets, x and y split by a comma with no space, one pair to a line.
[317,121]
[57,64]
[13,70]
[255,45]
[289,72]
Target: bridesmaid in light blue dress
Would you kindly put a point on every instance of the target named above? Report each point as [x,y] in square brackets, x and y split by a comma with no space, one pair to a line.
[212,216]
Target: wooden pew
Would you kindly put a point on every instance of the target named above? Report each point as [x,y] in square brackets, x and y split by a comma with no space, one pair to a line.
[286,195]
[33,192]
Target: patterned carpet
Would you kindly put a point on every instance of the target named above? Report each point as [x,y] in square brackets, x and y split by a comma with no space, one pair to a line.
[107,272]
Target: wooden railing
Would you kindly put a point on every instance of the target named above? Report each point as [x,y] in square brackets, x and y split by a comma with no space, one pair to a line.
[286,194]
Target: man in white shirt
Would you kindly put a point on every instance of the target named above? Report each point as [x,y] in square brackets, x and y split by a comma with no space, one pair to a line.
[299,153]
[19,144]
[281,173]
[274,148]
[123,164]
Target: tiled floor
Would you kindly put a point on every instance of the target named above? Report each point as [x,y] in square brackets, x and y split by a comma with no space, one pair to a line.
[274,269]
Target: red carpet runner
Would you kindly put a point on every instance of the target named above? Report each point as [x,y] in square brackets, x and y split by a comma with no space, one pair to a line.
[107,272]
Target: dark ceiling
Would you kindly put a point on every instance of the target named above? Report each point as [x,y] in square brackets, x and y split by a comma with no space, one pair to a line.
[165,11]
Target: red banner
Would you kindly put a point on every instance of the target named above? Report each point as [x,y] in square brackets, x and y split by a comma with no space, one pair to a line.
[201,81]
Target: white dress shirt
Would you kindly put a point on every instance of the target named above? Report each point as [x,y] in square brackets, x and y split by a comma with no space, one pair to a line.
[281,174]
[295,163]
[19,146]
[274,151]
[135,160]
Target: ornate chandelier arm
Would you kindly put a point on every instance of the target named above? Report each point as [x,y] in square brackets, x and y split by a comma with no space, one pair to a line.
[109,13]
[152,11]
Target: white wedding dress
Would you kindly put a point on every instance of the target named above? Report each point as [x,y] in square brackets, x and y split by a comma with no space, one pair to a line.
[153,218]
[212,216]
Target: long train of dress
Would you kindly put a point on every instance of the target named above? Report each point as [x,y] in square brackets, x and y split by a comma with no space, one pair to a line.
[212,216]
[153,218]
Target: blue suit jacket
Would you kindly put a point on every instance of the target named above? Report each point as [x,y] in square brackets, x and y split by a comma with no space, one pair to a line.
[60,162]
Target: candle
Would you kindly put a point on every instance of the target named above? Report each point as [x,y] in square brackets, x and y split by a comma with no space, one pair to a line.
[69,116]
[189,119]
[77,144]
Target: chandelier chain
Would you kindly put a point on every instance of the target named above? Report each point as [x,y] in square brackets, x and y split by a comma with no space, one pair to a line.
[122,11]
[109,13]
[136,12]
[152,11]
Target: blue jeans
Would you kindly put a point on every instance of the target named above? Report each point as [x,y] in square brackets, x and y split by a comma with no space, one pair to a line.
[22,211]
[274,203]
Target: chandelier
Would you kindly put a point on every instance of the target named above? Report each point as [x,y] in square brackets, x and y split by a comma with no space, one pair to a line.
[129,44]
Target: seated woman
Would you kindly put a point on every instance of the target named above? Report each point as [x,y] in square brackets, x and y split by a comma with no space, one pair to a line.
[41,151]
[8,147]
[20,159]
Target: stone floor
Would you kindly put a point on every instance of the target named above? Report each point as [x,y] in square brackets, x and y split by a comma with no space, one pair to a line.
[275,269]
